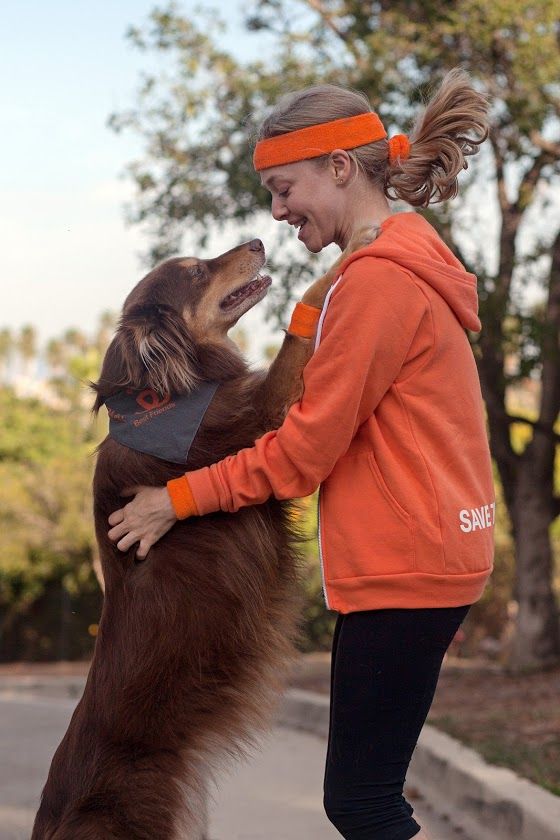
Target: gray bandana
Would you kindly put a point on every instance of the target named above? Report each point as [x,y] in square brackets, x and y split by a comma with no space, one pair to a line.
[161,426]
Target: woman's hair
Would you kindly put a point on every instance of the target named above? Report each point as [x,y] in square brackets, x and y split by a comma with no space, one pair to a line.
[439,145]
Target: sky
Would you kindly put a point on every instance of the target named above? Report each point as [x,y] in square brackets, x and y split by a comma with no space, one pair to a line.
[68,254]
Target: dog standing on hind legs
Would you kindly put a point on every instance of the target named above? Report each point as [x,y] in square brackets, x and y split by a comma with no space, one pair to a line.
[195,640]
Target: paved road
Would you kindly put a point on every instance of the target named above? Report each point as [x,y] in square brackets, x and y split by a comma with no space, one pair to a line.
[275,796]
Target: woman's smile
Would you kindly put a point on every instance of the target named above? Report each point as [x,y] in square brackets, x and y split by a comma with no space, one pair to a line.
[301,230]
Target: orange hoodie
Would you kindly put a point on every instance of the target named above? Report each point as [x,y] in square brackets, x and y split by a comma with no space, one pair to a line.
[391,425]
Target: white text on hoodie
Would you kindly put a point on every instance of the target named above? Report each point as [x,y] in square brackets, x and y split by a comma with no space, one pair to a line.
[481,517]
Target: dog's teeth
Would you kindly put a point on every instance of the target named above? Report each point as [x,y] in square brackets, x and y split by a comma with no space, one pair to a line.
[248,288]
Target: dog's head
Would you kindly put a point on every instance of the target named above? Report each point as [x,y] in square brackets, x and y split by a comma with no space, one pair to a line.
[175,314]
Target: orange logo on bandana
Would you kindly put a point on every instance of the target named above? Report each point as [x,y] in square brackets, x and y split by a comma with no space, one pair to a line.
[148,399]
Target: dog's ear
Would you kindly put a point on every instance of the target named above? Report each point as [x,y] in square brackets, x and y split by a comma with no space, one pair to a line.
[152,348]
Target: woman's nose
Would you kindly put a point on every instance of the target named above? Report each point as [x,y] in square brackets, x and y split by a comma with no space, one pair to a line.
[278,210]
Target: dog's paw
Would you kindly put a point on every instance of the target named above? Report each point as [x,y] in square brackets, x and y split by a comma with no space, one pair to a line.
[362,237]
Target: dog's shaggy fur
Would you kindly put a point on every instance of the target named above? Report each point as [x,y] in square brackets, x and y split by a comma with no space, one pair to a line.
[195,640]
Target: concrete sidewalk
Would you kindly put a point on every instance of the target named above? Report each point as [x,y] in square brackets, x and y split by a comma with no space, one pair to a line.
[277,795]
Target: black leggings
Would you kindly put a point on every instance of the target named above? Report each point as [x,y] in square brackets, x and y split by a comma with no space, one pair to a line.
[384,672]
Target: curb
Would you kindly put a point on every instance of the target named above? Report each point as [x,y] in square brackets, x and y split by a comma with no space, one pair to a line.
[487,802]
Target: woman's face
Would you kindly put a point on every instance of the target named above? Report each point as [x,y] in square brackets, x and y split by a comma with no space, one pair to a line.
[306,192]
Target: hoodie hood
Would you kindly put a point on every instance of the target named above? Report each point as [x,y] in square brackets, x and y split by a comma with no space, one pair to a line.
[410,241]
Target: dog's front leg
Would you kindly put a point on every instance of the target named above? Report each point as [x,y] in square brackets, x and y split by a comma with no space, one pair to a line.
[283,383]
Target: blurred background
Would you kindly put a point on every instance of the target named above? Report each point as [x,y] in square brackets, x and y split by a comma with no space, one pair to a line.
[126,138]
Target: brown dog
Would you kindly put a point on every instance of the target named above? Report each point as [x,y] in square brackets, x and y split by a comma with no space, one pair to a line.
[194,641]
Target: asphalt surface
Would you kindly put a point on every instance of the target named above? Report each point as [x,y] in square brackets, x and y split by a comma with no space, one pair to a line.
[277,795]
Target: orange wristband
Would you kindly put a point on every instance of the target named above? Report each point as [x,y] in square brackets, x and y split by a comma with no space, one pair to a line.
[182,498]
[304,320]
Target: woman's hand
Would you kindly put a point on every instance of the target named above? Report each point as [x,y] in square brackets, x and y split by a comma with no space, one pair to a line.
[145,519]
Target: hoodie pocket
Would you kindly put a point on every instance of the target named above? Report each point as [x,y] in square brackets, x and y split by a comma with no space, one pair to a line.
[399,510]
[392,520]
[366,531]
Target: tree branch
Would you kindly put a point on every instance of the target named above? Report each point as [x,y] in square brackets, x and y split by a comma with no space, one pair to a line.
[550,393]
[551,149]
[327,19]
[529,182]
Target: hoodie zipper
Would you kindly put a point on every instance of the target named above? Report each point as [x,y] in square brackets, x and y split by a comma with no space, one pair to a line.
[323,583]
[319,537]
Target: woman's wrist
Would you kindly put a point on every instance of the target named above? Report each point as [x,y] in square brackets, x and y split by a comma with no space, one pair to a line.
[304,320]
[182,499]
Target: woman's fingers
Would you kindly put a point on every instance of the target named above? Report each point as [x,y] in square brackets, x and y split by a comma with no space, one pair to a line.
[143,548]
[118,531]
[116,517]
[127,541]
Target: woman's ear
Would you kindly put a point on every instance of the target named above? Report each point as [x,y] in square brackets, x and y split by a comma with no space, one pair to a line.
[340,165]
[152,348]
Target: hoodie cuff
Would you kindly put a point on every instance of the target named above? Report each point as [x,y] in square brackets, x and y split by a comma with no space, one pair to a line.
[181,497]
[304,320]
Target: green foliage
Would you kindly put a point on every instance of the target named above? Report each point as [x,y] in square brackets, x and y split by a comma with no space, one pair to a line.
[317,622]
[46,531]
[49,595]
[32,433]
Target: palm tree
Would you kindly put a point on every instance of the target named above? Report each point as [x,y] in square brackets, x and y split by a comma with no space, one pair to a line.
[56,356]
[76,340]
[6,348]
[27,346]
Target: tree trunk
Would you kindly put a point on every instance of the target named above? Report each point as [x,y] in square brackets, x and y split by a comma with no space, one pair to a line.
[536,643]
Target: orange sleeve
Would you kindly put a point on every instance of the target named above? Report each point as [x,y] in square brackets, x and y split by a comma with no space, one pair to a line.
[371,320]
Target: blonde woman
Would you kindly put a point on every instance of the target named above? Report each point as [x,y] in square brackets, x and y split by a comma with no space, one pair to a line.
[390,427]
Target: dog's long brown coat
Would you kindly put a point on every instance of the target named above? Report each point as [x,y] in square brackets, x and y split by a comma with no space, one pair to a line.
[194,641]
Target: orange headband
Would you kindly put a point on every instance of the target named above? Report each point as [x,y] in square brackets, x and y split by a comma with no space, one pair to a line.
[317,140]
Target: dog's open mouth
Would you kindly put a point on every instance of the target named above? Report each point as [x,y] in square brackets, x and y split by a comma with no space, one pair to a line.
[254,287]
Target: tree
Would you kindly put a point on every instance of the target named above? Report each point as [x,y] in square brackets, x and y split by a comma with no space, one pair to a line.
[6,347]
[75,359]
[197,173]
[48,590]
[75,340]
[55,355]
[27,346]
[46,527]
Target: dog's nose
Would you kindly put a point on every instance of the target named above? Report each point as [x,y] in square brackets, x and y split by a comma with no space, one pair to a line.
[256,245]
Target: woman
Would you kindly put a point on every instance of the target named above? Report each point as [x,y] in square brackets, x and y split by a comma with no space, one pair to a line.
[391,427]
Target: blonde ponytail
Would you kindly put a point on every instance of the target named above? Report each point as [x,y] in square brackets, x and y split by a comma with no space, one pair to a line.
[450,129]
